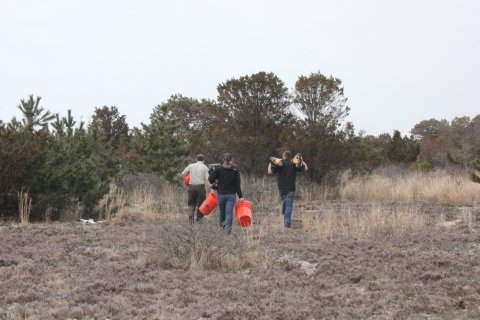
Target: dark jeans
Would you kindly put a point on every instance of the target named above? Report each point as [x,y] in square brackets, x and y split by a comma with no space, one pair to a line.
[226,202]
[287,198]
[196,196]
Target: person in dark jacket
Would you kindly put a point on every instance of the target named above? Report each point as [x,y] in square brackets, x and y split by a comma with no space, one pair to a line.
[287,176]
[228,178]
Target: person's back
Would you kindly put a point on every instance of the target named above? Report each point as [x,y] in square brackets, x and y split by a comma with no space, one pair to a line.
[198,173]
[228,178]
[287,178]
[196,188]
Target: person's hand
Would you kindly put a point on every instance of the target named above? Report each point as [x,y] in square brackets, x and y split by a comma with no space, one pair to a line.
[269,169]
[241,199]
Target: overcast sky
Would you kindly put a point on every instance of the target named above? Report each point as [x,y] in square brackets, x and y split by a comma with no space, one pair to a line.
[400,62]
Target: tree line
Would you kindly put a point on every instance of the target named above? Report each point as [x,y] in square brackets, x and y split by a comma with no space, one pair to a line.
[63,163]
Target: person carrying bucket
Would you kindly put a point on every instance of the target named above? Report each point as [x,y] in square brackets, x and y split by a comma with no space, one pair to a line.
[196,188]
[228,187]
[287,176]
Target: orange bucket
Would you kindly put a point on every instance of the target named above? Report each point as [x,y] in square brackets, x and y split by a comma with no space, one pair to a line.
[209,204]
[243,211]
[186,179]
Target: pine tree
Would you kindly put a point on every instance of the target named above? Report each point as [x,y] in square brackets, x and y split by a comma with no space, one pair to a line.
[476,167]
[160,145]
[402,150]
[76,168]
[21,145]
[110,124]
[33,115]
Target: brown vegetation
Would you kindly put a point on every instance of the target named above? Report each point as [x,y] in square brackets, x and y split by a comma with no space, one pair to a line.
[402,247]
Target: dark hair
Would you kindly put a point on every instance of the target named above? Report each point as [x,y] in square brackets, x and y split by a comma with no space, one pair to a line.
[200,157]
[287,154]
[228,156]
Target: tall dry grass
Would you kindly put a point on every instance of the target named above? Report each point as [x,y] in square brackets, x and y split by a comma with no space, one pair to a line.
[264,191]
[142,203]
[168,203]
[72,212]
[24,207]
[437,187]
[375,221]
[260,191]
[147,202]
[440,187]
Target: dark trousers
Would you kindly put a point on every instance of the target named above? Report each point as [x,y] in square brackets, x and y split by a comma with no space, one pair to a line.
[196,196]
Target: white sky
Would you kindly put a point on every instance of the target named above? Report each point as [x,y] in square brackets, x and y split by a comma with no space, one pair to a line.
[401,62]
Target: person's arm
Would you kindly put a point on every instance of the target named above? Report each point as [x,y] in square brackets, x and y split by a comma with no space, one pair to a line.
[213,176]
[206,176]
[271,169]
[237,185]
[302,168]
[186,171]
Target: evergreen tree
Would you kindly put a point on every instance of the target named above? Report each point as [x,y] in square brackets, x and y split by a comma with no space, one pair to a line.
[75,168]
[476,167]
[160,146]
[33,115]
[381,143]
[361,154]
[110,125]
[59,169]
[194,117]
[402,150]
[21,145]
[19,158]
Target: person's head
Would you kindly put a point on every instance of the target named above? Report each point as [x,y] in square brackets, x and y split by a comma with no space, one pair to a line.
[200,157]
[228,157]
[287,154]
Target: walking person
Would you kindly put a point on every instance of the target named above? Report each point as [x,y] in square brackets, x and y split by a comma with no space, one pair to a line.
[196,188]
[287,177]
[228,188]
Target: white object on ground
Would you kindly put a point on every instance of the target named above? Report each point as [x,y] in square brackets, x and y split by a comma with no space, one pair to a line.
[89,221]
[306,266]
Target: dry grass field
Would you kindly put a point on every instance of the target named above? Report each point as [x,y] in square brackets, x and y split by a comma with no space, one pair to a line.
[393,246]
